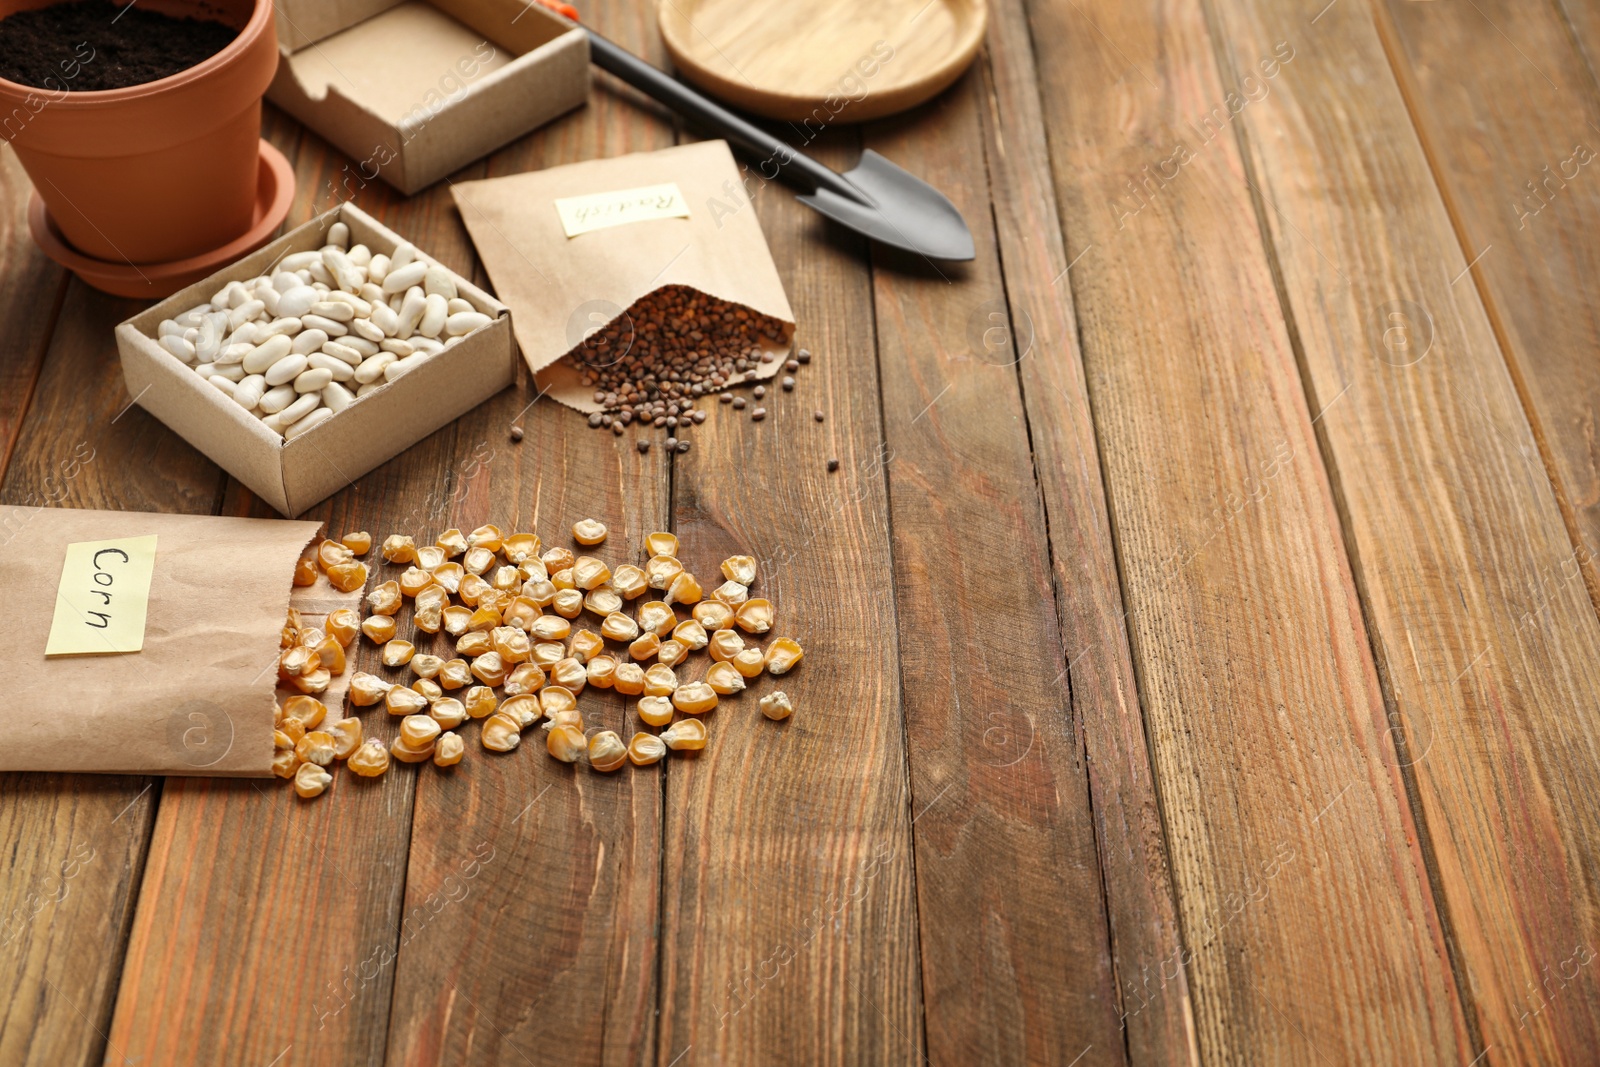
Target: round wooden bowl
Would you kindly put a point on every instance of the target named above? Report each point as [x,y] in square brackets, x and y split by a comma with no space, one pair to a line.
[829,61]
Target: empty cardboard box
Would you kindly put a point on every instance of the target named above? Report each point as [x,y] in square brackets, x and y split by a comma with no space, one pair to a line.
[413,90]
[293,475]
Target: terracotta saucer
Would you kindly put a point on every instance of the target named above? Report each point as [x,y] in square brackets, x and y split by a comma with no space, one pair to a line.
[151,281]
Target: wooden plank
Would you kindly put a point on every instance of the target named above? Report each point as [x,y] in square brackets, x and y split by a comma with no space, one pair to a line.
[1004,831]
[1290,836]
[30,297]
[1584,21]
[1156,1010]
[1483,683]
[251,897]
[789,919]
[1511,147]
[544,948]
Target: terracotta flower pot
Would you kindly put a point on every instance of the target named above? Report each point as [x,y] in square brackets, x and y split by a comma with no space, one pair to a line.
[153,172]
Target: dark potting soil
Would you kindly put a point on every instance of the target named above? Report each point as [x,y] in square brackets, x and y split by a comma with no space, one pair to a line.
[96,44]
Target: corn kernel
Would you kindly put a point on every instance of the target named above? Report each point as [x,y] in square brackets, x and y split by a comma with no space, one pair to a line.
[449,575]
[754,616]
[659,681]
[370,760]
[480,702]
[602,672]
[283,740]
[550,628]
[568,603]
[691,635]
[661,570]
[430,689]
[292,730]
[496,600]
[308,711]
[565,717]
[397,548]
[685,589]
[520,547]
[563,581]
[524,709]
[629,680]
[570,673]
[448,712]
[724,678]
[489,668]
[533,569]
[511,643]
[347,577]
[285,763]
[406,754]
[566,743]
[538,595]
[455,619]
[448,750]
[585,645]
[305,573]
[554,698]
[452,541]
[359,542]
[296,661]
[456,674]
[661,544]
[472,587]
[656,617]
[603,601]
[397,653]
[590,573]
[432,597]
[346,734]
[311,780]
[749,662]
[315,682]
[618,627]
[725,644]
[588,532]
[343,625]
[606,751]
[685,735]
[310,636]
[694,698]
[783,654]
[332,554]
[629,581]
[289,636]
[646,749]
[741,569]
[557,559]
[367,689]
[505,579]
[671,653]
[501,733]
[414,580]
[485,619]
[426,666]
[419,731]
[547,654]
[379,629]
[524,678]
[732,594]
[645,646]
[315,747]
[403,701]
[713,615]
[486,536]
[430,556]
[655,711]
[477,560]
[332,655]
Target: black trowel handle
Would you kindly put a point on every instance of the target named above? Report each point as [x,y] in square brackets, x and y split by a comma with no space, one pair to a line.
[717,119]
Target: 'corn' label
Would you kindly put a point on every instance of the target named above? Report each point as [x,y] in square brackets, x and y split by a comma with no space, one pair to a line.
[597,211]
[103,597]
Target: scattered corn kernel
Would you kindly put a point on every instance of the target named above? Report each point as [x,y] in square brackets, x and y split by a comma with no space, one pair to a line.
[588,532]
[397,653]
[694,698]
[305,573]
[449,576]
[656,617]
[629,581]
[601,671]
[589,573]
[343,625]
[370,760]
[557,559]
[346,734]
[315,747]
[547,654]
[661,570]
[488,537]
[406,754]
[398,548]
[403,701]
[347,577]
[644,646]
[332,554]
[686,735]
[741,569]
[378,628]
[661,544]
[520,547]
[603,601]
[754,616]
[524,709]
[554,698]
[292,730]
[629,679]
[659,681]
[426,666]
[489,668]
[473,587]
[476,561]
[550,628]
[448,750]
[724,679]
[501,733]
[310,780]
[480,702]
[566,743]
[524,678]
[359,542]
[452,541]
[414,580]
[655,711]
[455,619]
[724,645]
[684,589]
[713,615]
[455,674]
[782,655]
[731,593]
[646,749]
[568,603]
[606,751]
[308,711]
[430,556]
[691,635]
[448,712]
[430,689]
[749,662]
[285,762]
[671,653]
[570,673]
[618,627]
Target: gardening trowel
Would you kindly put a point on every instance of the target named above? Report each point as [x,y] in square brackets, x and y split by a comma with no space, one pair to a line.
[876,198]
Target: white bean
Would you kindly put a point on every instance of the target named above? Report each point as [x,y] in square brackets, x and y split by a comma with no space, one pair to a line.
[285,369]
[298,261]
[233,372]
[336,310]
[337,397]
[360,255]
[297,301]
[213,328]
[438,282]
[309,341]
[372,294]
[277,326]
[433,315]
[264,355]
[205,370]
[366,329]
[385,319]
[398,280]
[193,315]
[169,328]
[464,322]
[316,418]
[339,234]
[458,305]
[234,354]
[378,268]
[362,307]
[371,370]
[359,344]
[275,400]
[222,385]
[312,381]
[398,347]
[331,327]
[285,280]
[403,366]
[268,296]
[245,312]
[249,391]
[411,311]
[341,371]
[370,387]
[322,274]
[184,350]
[303,405]
[344,352]
[345,273]
[404,253]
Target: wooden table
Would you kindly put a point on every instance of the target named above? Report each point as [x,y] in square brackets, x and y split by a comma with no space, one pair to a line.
[1202,646]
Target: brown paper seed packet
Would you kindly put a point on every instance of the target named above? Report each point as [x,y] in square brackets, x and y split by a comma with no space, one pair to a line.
[196,696]
[572,248]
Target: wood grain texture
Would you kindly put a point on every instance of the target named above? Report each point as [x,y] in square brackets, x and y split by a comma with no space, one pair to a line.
[789,923]
[1513,148]
[1004,829]
[1287,824]
[251,897]
[1156,1010]
[1492,693]
[31,288]
[543,948]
